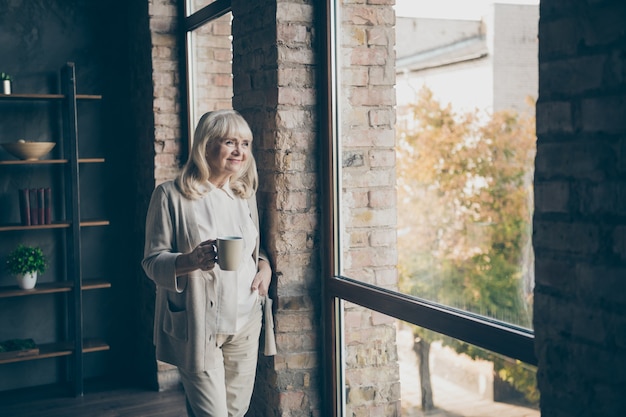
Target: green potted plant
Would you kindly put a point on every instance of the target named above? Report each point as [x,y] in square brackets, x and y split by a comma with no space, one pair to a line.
[6,83]
[25,262]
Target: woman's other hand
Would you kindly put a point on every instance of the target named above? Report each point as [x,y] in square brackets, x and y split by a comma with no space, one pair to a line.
[262,279]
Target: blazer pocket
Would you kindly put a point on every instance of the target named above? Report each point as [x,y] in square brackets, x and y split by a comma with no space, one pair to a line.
[175,324]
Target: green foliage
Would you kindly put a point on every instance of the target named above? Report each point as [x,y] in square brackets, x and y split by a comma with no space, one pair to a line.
[26,259]
[521,377]
[5,77]
[17,344]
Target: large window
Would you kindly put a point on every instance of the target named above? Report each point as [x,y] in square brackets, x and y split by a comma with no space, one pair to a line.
[430,158]
[208,50]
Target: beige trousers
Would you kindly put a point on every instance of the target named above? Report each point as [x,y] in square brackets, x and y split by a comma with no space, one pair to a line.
[225,391]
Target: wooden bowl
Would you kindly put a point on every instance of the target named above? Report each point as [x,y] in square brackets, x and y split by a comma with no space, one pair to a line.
[29,151]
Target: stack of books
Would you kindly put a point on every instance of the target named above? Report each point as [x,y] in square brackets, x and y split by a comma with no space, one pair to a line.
[35,206]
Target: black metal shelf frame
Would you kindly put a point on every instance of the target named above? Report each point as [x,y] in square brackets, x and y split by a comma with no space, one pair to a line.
[74,346]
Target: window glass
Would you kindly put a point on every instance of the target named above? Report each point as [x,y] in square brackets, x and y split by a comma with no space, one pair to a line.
[401,369]
[210,67]
[437,148]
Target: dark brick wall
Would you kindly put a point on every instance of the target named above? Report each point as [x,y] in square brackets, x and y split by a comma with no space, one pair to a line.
[580,209]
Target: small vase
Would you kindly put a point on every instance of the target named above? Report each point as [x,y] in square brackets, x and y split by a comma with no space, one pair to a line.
[27,281]
[6,86]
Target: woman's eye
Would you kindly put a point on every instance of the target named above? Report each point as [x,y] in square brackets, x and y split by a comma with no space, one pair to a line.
[245,144]
[229,142]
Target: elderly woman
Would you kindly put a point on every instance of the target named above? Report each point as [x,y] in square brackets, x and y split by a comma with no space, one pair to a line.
[208,320]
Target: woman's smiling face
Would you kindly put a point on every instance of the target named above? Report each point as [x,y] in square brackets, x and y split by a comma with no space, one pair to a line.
[226,158]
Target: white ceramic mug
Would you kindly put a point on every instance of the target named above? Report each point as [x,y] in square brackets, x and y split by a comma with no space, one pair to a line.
[229,251]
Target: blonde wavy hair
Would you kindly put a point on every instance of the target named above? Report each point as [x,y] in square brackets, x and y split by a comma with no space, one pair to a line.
[212,128]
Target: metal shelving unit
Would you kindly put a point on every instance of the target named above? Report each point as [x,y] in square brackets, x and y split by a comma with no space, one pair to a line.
[72,285]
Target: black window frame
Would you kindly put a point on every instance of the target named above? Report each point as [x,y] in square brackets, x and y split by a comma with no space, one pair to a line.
[501,338]
[189,23]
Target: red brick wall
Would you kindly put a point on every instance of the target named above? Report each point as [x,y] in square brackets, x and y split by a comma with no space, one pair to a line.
[368,98]
[274,85]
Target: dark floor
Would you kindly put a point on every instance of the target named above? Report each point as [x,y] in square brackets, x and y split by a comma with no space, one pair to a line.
[97,402]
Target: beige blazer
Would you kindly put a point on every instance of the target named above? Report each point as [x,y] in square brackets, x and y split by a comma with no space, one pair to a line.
[185,315]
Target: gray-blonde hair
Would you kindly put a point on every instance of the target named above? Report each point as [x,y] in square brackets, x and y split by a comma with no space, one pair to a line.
[211,129]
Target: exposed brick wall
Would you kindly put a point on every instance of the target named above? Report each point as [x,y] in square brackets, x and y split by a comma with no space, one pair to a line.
[274,88]
[166,102]
[580,209]
[369,201]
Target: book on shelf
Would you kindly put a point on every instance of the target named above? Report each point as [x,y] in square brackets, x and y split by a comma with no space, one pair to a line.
[47,205]
[40,206]
[34,216]
[24,206]
[35,206]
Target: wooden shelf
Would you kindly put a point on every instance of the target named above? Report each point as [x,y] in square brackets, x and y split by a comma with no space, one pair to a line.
[37,162]
[32,96]
[17,97]
[42,288]
[53,350]
[52,287]
[92,223]
[95,284]
[55,225]
[51,161]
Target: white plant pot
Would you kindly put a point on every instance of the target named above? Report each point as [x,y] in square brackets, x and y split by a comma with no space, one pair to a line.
[6,86]
[27,281]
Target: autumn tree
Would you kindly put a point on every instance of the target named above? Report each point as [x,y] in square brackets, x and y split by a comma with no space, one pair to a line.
[464,203]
